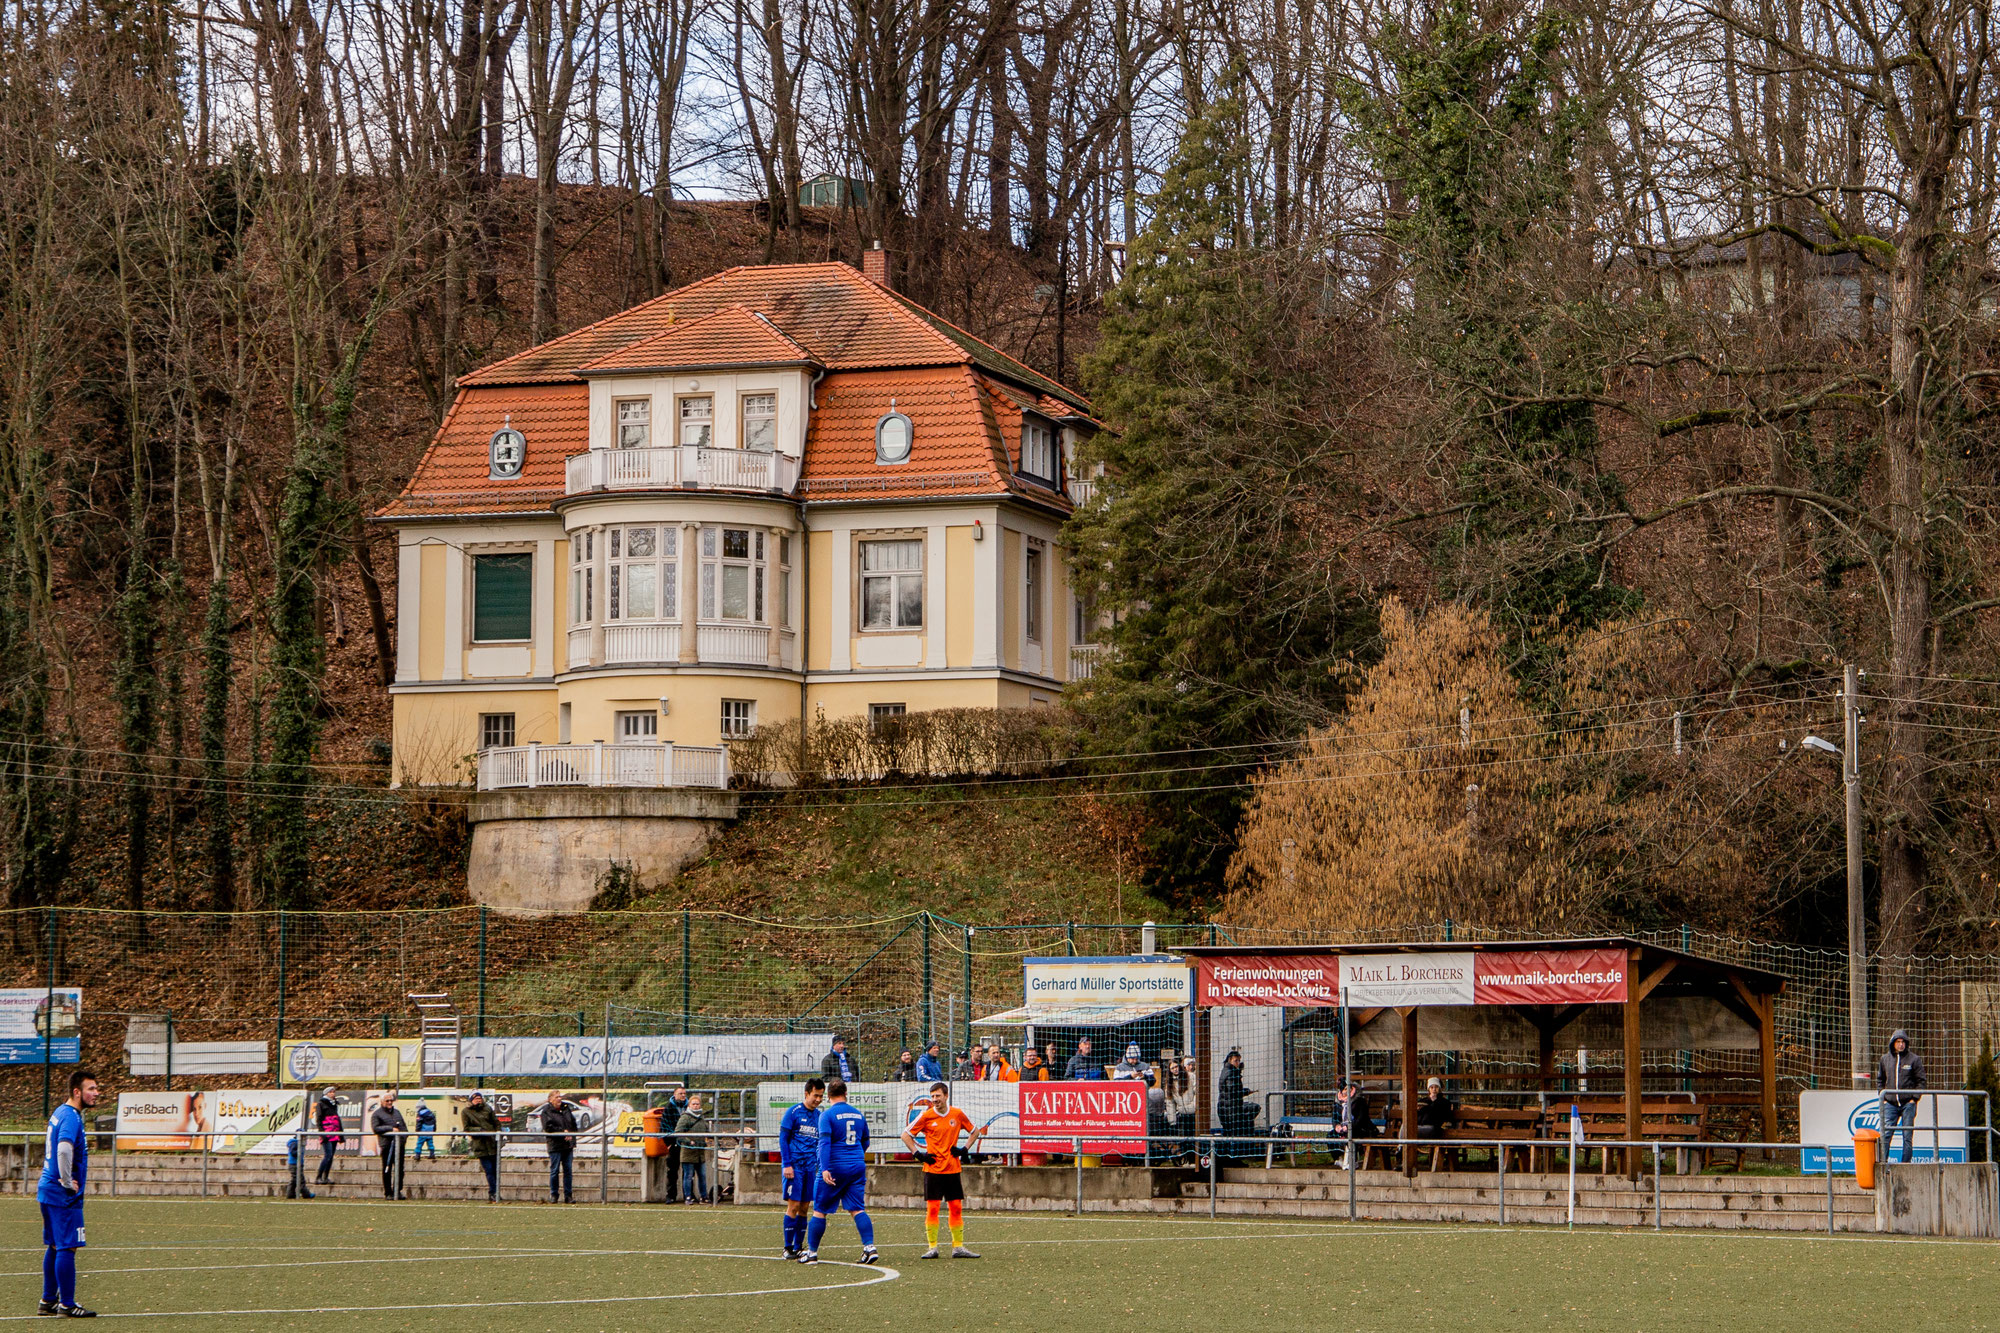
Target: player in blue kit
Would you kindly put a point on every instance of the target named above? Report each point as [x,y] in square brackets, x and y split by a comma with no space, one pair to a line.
[798,1153]
[843,1174]
[65,1170]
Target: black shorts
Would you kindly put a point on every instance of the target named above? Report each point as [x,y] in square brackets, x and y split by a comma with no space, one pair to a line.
[943,1186]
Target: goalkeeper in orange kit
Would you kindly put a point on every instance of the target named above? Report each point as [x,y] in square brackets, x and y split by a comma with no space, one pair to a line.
[939,1126]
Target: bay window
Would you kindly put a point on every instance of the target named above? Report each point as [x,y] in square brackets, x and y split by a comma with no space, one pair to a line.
[582,577]
[641,577]
[892,585]
[732,574]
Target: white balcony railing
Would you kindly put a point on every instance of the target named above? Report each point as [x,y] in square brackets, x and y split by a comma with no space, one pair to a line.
[1083,659]
[733,645]
[650,764]
[626,644]
[1082,490]
[686,467]
[579,647]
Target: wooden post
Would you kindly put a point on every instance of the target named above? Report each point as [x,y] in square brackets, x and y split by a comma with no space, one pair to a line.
[1409,1129]
[1767,1067]
[1633,1099]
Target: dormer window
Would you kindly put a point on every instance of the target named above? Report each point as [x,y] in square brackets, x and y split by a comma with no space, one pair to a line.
[1038,448]
[893,435]
[635,423]
[506,452]
[698,422]
[760,421]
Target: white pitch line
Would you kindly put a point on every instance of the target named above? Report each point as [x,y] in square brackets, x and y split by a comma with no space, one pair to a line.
[875,1274]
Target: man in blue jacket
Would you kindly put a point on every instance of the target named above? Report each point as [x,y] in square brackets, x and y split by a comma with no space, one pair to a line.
[798,1154]
[843,1174]
[65,1172]
[930,1069]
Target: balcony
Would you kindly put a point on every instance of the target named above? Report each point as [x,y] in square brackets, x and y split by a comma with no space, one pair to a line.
[1083,660]
[659,644]
[648,764]
[683,468]
[1082,490]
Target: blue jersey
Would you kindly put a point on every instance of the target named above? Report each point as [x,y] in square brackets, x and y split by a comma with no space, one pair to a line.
[843,1141]
[798,1138]
[65,1126]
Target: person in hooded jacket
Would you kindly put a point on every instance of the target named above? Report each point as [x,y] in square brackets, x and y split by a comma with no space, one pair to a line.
[1899,1068]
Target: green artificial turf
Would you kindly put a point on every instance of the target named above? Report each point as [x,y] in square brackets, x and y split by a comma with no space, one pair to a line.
[358,1266]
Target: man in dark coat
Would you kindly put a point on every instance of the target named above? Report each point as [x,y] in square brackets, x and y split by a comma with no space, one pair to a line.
[1900,1068]
[556,1119]
[670,1115]
[1233,1110]
[840,1064]
[482,1127]
[1083,1065]
[1353,1119]
[905,1070]
[387,1125]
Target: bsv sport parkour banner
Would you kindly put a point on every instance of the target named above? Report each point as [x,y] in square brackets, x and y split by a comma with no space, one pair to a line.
[1319,981]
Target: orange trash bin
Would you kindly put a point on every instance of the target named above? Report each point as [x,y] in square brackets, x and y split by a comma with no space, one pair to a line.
[655,1122]
[1864,1157]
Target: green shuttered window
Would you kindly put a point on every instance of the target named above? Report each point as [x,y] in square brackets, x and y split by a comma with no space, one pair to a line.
[503,597]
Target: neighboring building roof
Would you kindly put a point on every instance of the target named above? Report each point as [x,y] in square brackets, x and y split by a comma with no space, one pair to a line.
[732,336]
[841,319]
[453,478]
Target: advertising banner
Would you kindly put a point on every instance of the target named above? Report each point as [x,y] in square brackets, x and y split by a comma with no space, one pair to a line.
[256,1120]
[524,1137]
[994,1107]
[1550,976]
[1139,979]
[1107,1117]
[1299,981]
[376,1060]
[756,1055]
[32,1029]
[1386,980]
[1834,1118]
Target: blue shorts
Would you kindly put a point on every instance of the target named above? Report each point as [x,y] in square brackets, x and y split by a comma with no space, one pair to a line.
[849,1192]
[799,1188]
[62,1226]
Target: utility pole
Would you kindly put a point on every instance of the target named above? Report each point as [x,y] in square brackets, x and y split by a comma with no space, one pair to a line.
[1857,921]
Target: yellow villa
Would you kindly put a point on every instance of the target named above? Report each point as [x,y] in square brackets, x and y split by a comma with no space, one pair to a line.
[778,491]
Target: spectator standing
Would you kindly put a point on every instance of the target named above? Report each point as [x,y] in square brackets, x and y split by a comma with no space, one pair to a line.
[1899,1068]
[427,1123]
[482,1126]
[670,1115]
[1353,1120]
[1033,1070]
[557,1121]
[1082,1065]
[998,1070]
[905,1070]
[295,1167]
[1131,1066]
[1183,1106]
[1051,1062]
[1158,1124]
[389,1130]
[839,1064]
[969,1069]
[692,1128]
[1233,1110]
[930,1066]
[326,1116]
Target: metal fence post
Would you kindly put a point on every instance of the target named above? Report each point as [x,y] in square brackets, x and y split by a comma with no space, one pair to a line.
[1501,1154]
[687,974]
[1212,1150]
[49,1028]
[281,980]
[1076,1155]
[1829,1189]
[1656,1187]
[968,988]
[206,1143]
[930,1028]
[482,976]
[604,1120]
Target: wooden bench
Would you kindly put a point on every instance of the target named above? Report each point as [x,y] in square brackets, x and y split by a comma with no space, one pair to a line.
[1673,1120]
[1519,1124]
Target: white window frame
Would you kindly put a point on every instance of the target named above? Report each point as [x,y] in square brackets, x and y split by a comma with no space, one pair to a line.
[641,423]
[582,577]
[739,718]
[895,578]
[1038,445]
[1034,558]
[664,561]
[684,422]
[636,726]
[714,574]
[888,457]
[744,418]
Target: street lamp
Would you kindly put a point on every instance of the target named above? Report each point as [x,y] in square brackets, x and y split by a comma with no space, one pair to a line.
[1857,921]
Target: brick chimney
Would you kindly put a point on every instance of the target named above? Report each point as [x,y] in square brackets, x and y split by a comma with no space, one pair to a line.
[875,266]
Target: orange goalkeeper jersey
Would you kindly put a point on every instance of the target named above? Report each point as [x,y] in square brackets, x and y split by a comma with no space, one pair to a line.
[940,1135]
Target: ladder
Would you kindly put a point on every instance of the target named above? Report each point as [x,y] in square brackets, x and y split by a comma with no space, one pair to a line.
[439,1027]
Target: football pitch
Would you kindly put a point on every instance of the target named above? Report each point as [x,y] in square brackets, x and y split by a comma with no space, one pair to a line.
[357,1265]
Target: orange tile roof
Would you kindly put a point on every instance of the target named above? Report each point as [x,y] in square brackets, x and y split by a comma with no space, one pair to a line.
[732,336]
[453,476]
[841,319]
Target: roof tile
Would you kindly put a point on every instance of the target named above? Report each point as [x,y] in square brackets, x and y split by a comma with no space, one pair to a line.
[733,335]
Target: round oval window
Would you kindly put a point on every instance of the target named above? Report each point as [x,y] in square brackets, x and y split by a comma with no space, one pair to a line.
[892,438]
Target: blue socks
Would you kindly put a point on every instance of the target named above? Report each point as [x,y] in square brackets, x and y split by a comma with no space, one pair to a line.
[49,1276]
[815,1229]
[865,1227]
[66,1276]
[795,1232]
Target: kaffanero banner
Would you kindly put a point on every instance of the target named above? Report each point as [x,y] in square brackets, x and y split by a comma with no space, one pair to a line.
[1443,976]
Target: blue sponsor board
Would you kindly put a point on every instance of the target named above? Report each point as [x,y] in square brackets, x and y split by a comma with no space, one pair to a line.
[1832,1119]
[33,1050]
